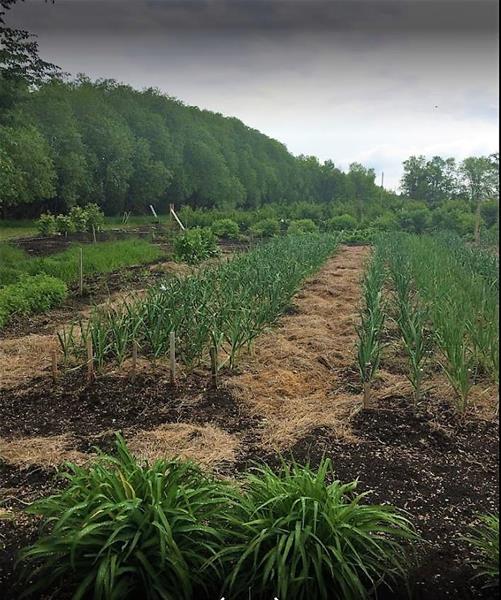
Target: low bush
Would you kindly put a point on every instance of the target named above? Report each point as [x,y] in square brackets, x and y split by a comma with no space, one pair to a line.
[226,229]
[122,529]
[302,226]
[484,538]
[341,223]
[266,228]
[31,295]
[81,219]
[64,225]
[302,534]
[359,236]
[46,224]
[195,245]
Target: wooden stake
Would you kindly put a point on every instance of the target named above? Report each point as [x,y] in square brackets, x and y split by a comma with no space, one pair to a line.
[54,364]
[81,272]
[367,394]
[90,360]
[172,356]
[134,357]
[213,366]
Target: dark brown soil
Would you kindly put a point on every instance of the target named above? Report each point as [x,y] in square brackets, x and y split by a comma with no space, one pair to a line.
[115,403]
[44,246]
[443,472]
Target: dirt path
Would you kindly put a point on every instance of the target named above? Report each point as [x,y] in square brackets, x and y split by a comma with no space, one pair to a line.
[297,378]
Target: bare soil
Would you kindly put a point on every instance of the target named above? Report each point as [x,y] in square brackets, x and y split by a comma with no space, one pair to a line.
[297,396]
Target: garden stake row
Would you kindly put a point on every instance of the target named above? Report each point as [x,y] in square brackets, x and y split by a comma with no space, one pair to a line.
[227,305]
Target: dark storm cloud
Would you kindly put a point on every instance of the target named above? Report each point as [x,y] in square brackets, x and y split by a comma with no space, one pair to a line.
[379,16]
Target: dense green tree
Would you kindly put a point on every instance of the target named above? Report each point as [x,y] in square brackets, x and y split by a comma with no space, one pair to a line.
[480,181]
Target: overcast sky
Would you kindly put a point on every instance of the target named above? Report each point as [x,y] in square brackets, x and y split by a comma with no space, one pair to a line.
[354,80]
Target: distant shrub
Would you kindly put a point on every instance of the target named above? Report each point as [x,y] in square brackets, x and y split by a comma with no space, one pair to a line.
[490,212]
[414,219]
[94,216]
[226,229]
[195,245]
[32,294]
[46,224]
[341,223]
[266,228]
[302,226]
[122,530]
[79,218]
[385,222]
[359,236]
[302,534]
[64,225]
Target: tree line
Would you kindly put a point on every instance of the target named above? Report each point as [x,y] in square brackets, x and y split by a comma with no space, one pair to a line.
[79,141]
[69,142]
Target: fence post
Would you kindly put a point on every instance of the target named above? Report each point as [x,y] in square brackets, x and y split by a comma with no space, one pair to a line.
[134,357]
[213,366]
[81,271]
[54,364]
[90,360]
[172,356]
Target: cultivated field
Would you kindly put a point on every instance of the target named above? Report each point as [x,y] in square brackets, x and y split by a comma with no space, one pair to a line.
[382,359]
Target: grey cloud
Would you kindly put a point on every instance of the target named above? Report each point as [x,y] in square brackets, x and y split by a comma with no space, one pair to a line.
[157,16]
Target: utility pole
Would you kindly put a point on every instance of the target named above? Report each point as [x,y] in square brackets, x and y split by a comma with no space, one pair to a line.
[381,190]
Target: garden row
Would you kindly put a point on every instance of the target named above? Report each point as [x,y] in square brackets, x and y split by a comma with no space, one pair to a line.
[218,311]
[445,304]
[124,529]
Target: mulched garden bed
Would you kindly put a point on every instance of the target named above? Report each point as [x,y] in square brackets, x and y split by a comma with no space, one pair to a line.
[442,470]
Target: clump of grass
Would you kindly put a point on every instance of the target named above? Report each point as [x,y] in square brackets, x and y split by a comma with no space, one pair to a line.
[302,534]
[484,538]
[31,295]
[101,257]
[121,529]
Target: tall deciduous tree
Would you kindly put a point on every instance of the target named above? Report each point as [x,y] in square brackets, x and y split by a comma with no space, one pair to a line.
[480,179]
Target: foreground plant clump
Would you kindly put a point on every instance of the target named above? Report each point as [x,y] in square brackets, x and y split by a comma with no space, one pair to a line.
[122,529]
[125,530]
[484,537]
[223,308]
[303,534]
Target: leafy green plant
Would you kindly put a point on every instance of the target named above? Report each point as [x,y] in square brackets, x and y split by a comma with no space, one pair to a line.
[94,217]
[195,245]
[302,226]
[266,228]
[64,225]
[46,224]
[122,529]
[484,538]
[226,229]
[302,534]
[342,223]
[79,218]
[31,295]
